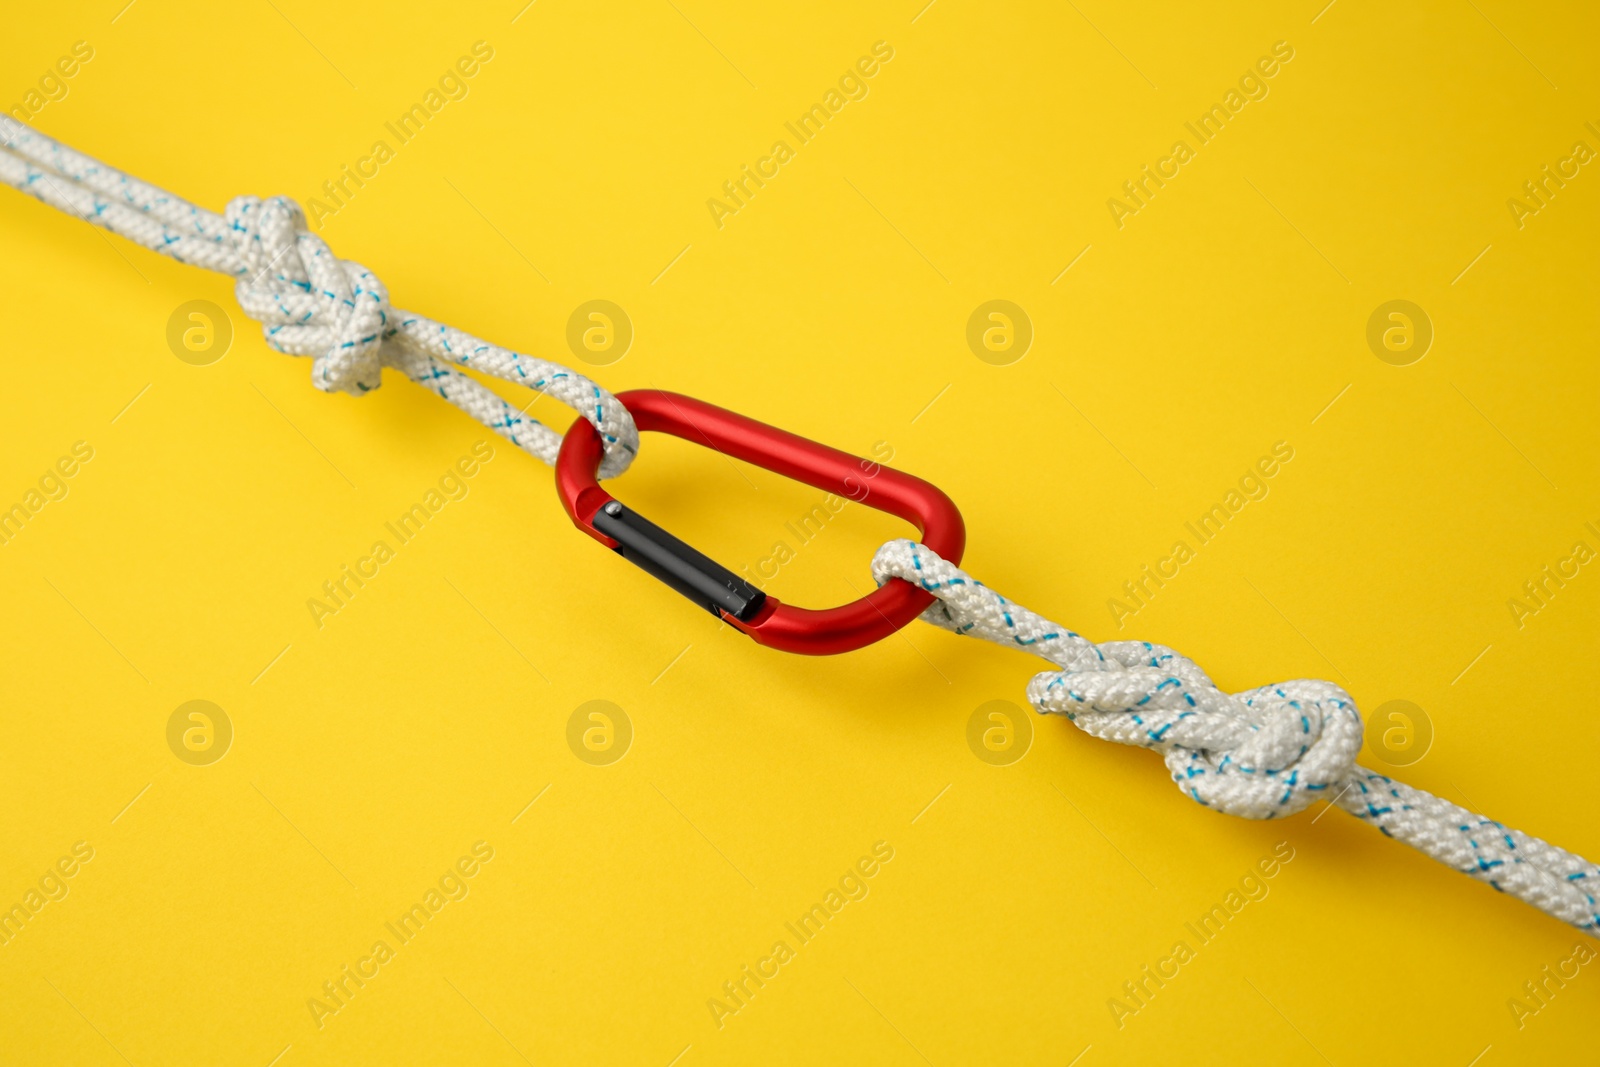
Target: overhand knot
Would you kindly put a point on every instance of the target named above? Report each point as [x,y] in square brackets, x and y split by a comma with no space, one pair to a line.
[309,301]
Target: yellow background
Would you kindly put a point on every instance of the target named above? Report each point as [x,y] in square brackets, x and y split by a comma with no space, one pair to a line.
[1222,318]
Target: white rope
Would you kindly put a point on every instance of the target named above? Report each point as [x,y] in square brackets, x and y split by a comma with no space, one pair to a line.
[1259,754]
[308,301]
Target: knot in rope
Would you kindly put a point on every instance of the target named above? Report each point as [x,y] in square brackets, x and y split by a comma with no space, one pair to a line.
[1258,754]
[309,301]
[312,303]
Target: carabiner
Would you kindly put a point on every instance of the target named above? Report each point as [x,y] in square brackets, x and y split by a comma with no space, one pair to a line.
[714,587]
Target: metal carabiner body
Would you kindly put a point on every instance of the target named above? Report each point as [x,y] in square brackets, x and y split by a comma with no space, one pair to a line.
[770,622]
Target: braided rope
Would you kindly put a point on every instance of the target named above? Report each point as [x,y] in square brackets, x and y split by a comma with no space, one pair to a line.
[1259,754]
[308,301]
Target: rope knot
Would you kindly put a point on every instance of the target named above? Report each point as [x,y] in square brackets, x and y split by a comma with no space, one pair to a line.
[309,301]
[1259,754]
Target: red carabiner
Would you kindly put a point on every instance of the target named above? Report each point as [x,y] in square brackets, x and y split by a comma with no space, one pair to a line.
[777,625]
